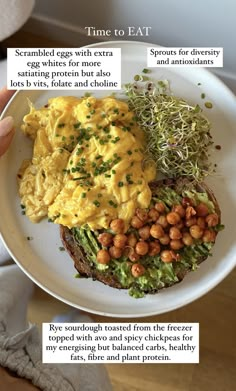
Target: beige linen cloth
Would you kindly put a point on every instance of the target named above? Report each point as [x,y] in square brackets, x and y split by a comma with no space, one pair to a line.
[20,343]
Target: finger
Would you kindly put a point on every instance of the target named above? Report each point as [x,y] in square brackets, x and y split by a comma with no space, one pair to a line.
[5,95]
[6,133]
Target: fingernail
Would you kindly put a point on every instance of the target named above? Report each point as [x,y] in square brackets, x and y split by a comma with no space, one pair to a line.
[6,125]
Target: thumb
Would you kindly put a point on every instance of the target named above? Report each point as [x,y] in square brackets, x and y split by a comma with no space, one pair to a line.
[6,133]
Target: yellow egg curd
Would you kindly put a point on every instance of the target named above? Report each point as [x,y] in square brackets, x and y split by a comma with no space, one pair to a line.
[87,165]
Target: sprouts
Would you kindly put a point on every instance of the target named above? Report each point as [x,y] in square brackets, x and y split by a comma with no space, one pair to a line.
[178,135]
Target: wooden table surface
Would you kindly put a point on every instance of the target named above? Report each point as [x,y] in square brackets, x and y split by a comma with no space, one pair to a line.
[216,314]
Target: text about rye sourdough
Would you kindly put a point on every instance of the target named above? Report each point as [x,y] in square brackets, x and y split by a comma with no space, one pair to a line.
[162,343]
[83,68]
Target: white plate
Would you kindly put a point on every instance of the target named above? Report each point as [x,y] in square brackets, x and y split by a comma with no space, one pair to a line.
[53,270]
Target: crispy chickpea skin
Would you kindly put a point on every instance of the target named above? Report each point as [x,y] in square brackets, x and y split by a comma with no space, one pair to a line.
[144,232]
[142,214]
[154,248]
[208,236]
[175,233]
[160,207]
[133,256]
[212,220]
[195,231]
[157,231]
[173,218]
[190,212]
[176,244]
[153,214]
[179,209]
[137,270]
[167,256]
[165,239]
[131,240]
[117,226]
[120,240]
[191,222]
[142,248]
[115,252]
[202,210]
[105,239]
[201,222]
[103,257]
[136,222]
[187,239]
[162,221]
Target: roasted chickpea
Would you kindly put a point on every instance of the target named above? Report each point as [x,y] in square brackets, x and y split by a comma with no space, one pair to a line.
[162,221]
[173,218]
[190,212]
[131,240]
[160,207]
[176,244]
[120,240]
[144,232]
[212,220]
[157,231]
[153,214]
[191,222]
[105,239]
[209,236]
[187,239]
[201,222]
[142,248]
[103,257]
[115,252]
[142,214]
[195,231]
[167,256]
[186,201]
[165,240]
[202,210]
[118,226]
[136,222]
[154,248]
[175,233]
[133,256]
[179,209]
[137,270]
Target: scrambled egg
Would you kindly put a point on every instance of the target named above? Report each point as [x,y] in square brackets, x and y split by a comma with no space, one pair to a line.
[87,164]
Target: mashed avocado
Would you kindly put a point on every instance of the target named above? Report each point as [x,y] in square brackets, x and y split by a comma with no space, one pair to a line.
[157,273]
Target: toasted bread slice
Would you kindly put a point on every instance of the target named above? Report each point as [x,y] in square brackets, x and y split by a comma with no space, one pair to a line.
[88,268]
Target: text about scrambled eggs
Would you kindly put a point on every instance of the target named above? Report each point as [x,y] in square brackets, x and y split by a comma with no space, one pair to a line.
[121,343]
[70,68]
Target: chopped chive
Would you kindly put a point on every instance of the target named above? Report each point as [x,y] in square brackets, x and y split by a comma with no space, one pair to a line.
[77,125]
[99,195]
[83,195]
[208,105]
[120,184]
[203,96]
[61,248]
[22,206]
[113,171]
[96,203]
[60,125]
[145,70]
[129,152]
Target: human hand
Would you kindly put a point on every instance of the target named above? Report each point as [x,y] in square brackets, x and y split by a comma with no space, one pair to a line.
[7,124]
